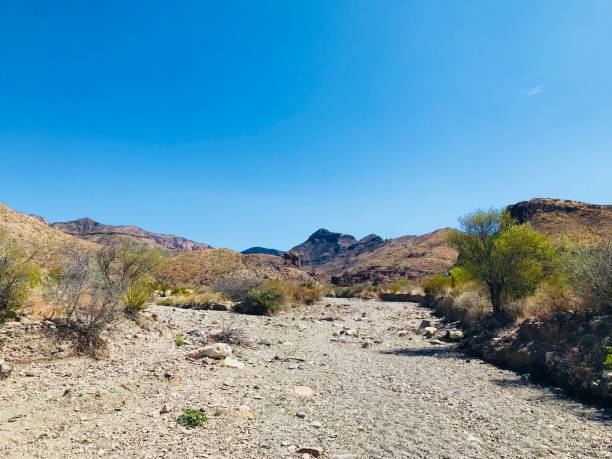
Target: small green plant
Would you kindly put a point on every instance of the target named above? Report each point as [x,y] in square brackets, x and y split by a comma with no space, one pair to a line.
[192,418]
[179,340]
[608,361]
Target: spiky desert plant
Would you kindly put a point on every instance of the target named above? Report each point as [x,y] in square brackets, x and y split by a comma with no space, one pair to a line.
[138,296]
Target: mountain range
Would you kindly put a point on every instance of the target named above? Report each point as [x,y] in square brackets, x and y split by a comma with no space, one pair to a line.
[329,256]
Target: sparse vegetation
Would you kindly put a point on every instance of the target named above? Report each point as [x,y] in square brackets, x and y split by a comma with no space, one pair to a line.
[192,418]
[437,285]
[364,291]
[179,341]
[16,278]
[138,296]
[195,300]
[237,289]
[229,335]
[591,272]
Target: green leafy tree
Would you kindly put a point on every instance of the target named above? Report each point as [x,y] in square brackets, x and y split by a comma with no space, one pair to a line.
[510,260]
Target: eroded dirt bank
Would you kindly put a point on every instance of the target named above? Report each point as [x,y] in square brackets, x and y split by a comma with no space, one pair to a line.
[375,394]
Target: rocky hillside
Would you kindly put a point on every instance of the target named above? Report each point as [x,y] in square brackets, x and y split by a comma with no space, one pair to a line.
[202,268]
[90,230]
[262,251]
[580,222]
[35,237]
[323,246]
[346,260]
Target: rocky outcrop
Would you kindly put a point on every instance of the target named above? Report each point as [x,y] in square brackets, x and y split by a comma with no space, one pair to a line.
[292,259]
[90,230]
[322,246]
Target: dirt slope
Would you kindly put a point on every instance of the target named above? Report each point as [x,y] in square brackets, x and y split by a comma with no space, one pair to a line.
[206,267]
[32,233]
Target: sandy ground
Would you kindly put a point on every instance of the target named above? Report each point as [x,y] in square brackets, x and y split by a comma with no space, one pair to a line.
[394,397]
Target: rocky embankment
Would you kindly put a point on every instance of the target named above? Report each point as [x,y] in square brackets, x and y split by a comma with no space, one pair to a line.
[567,349]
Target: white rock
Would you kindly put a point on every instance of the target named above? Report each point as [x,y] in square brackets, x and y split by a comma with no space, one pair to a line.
[455,335]
[214,351]
[429,331]
[231,362]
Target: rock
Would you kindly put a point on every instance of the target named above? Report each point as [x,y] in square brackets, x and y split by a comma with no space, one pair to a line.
[436,342]
[455,335]
[402,333]
[429,331]
[231,362]
[304,391]
[425,324]
[316,424]
[300,414]
[244,411]
[5,369]
[221,307]
[214,351]
[166,408]
[314,452]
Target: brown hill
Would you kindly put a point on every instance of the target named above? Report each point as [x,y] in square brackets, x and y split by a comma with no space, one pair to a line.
[35,237]
[201,268]
[90,230]
[580,222]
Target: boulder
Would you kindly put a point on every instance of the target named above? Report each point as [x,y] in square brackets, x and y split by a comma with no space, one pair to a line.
[221,306]
[425,324]
[429,331]
[314,452]
[214,351]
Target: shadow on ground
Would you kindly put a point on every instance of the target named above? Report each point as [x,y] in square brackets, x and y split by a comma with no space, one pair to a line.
[438,352]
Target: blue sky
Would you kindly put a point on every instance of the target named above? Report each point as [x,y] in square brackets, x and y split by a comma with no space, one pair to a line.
[255,123]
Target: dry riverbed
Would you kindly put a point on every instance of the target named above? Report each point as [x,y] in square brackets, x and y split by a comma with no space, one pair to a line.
[368,393]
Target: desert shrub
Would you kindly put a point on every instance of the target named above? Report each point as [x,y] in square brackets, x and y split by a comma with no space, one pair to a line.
[229,335]
[306,293]
[364,291]
[87,299]
[467,305]
[400,286]
[192,418]
[436,285]
[549,297]
[267,299]
[237,289]
[138,296]
[591,274]
[197,300]
[17,277]
[179,341]
[510,260]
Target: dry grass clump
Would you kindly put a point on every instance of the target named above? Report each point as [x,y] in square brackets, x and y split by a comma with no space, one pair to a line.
[365,291]
[202,300]
[230,335]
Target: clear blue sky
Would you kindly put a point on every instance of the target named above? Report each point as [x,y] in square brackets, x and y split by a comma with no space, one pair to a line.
[255,123]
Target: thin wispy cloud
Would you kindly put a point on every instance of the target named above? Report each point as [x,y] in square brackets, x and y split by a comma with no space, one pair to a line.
[533,91]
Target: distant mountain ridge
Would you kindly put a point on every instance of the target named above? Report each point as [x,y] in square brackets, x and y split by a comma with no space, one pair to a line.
[91,230]
[263,251]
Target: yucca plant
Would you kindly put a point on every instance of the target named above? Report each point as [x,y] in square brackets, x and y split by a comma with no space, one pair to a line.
[138,296]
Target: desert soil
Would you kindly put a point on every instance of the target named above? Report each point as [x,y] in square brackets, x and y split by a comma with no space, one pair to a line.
[394,397]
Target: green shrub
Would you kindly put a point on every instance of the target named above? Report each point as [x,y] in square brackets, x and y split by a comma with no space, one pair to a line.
[179,341]
[608,361]
[16,278]
[436,285]
[400,286]
[591,274]
[138,296]
[268,299]
[192,418]
[307,293]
